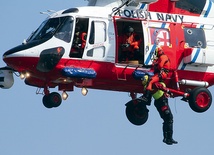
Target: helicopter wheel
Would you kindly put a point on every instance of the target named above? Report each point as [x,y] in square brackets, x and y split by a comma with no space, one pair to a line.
[52,100]
[136,112]
[200,99]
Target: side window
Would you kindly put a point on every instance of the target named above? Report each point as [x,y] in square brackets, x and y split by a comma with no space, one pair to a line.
[160,36]
[97,39]
[100,32]
[191,5]
[195,37]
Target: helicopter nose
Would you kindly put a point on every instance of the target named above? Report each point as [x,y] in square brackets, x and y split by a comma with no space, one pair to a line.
[14,52]
[8,54]
[13,57]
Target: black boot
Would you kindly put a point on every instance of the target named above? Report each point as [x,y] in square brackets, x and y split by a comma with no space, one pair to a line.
[167,133]
[168,138]
[147,97]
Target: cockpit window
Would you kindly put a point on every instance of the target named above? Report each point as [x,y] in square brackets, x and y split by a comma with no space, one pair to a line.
[64,31]
[60,27]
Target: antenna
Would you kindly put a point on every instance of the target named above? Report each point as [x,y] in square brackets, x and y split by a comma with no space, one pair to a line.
[145,1]
[48,12]
[53,11]
[45,13]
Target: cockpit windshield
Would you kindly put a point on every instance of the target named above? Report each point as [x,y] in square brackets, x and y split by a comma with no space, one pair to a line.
[61,28]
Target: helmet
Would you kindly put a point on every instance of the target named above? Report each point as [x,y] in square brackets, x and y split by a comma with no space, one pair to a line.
[145,79]
[129,29]
[158,51]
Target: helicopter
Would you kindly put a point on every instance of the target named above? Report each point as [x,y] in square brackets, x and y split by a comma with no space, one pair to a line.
[52,57]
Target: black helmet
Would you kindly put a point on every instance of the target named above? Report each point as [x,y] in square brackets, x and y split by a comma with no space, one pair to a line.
[129,29]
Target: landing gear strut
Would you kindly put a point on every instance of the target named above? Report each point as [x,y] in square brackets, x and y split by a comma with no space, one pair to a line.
[52,100]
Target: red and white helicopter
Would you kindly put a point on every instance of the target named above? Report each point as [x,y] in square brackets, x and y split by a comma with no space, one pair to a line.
[183,28]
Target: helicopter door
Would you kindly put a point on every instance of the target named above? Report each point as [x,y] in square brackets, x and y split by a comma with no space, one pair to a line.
[130,42]
[97,41]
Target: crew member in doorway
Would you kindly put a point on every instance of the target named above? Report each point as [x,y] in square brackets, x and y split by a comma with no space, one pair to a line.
[79,43]
[129,44]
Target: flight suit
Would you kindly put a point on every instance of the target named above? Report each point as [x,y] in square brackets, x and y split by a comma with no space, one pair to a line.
[161,67]
[161,70]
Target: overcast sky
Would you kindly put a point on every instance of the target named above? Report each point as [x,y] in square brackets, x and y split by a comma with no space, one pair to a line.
[84,125]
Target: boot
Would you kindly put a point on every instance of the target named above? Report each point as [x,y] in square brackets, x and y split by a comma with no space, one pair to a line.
[168,138]
[167,133]
[146,98]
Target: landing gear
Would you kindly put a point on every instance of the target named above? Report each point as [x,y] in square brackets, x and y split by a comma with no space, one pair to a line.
[52,100]
[200,99]
[136,112]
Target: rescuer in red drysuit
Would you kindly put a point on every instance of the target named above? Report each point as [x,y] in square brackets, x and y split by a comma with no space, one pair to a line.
[161,67]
